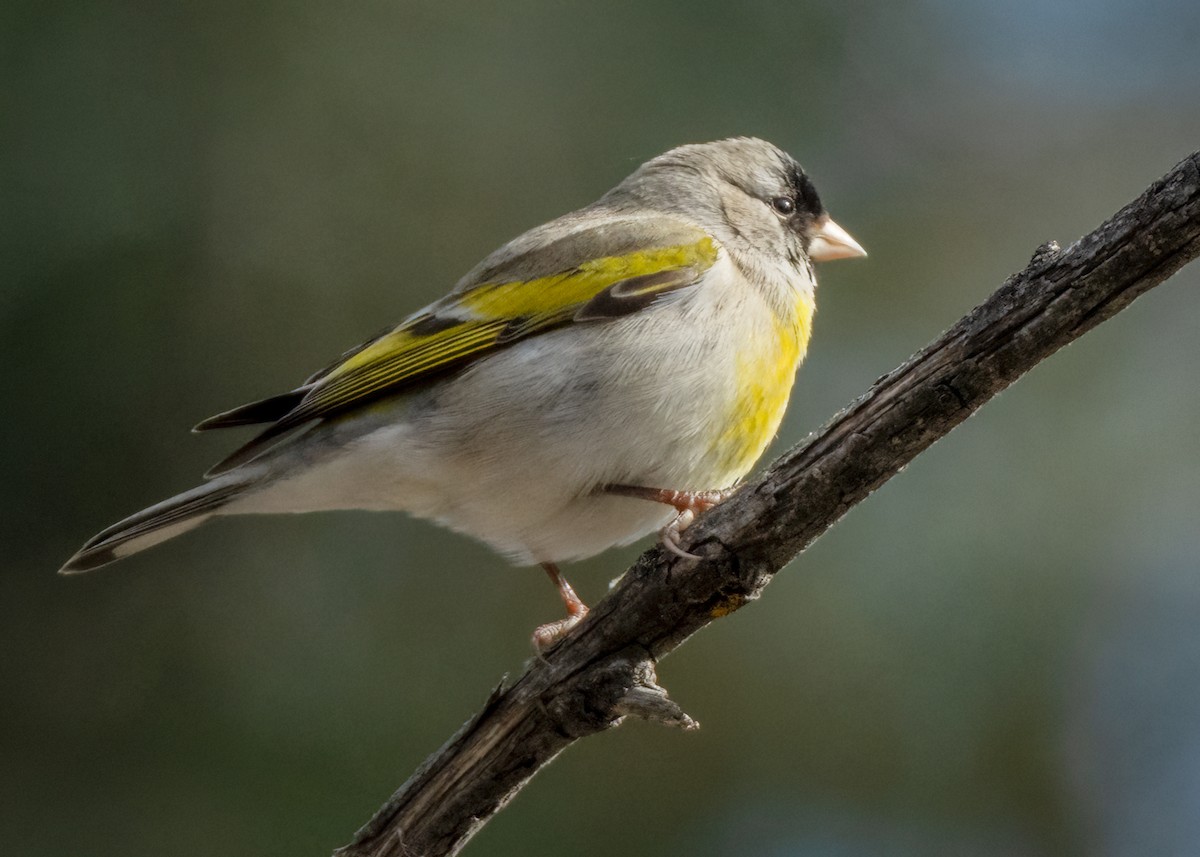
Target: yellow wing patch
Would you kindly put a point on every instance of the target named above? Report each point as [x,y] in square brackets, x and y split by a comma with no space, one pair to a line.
[498,314]
[403,355]
[549,296]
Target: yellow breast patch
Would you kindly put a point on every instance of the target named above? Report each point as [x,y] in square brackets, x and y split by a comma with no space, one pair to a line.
[765,375]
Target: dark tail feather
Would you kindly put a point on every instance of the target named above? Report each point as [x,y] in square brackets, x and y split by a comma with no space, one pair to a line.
[156,524]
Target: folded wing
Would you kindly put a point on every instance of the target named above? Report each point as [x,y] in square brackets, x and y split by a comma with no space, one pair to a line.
[476,320]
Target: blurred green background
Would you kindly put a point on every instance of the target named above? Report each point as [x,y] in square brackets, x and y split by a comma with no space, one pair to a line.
[997,654]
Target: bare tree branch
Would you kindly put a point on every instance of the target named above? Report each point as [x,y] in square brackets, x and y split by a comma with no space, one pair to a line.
[604,670]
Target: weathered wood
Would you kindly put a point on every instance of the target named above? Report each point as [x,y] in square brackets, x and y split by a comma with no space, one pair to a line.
[604,669]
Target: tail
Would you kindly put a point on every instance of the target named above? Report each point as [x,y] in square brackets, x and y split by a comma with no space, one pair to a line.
[160,522]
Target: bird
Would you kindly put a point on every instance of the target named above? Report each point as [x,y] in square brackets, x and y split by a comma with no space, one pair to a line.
[608,374]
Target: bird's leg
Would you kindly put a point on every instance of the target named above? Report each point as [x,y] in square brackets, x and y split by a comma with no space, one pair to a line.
[688,504]
[547,635]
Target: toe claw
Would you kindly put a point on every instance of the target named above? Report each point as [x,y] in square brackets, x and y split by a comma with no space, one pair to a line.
[674,548]
[670,535]
[547,636]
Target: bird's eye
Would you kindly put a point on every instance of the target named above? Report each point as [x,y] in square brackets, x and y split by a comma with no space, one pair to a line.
[783,204]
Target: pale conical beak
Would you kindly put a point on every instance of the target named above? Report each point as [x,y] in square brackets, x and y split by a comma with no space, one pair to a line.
[832,242]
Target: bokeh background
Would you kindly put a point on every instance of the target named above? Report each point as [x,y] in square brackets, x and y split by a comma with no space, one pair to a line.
[997,654]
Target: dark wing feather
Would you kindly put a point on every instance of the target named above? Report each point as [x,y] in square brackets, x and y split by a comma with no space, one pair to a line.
[263,411]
